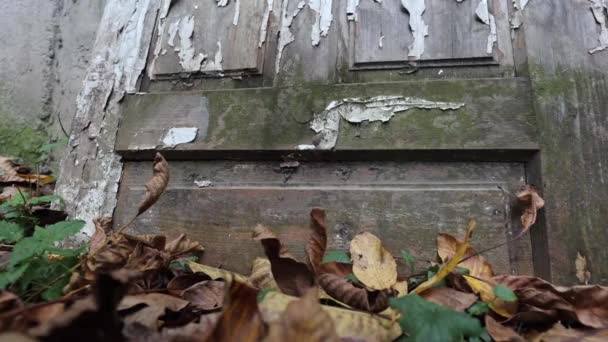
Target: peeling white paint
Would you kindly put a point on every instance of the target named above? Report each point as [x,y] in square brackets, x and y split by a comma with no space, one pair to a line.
[188,58]
[173,28]
[324,17]
[286,37]
[484,15]
[419,29]
[221,3]
[381,42]
[265,19]
[203,183]
[305,147]
[162,18]
[517,18]
[237,13]
[599,8]
[179,135]
[351,10]
[357,110]
[216,64]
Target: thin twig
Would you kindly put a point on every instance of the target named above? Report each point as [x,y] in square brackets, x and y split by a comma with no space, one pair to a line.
[493,248]
[125,226]
[61,125]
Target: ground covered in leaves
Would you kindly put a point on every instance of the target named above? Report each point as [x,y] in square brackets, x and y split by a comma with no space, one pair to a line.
[122,287]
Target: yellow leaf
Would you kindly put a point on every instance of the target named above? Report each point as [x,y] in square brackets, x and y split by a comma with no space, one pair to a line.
[261,275]
[216,273]
[485,289]
[446,269]
[476,264]
[373,265]
[401,288]
[348,323]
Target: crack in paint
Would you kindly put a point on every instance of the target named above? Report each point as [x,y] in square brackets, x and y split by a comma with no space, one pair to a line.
[356,110]
[324,17]
[286,37]
[517,18]
[599,9]
[417,26]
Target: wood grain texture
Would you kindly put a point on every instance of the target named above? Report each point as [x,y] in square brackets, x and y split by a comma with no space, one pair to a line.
[497,116]
[570,87]
[406,204]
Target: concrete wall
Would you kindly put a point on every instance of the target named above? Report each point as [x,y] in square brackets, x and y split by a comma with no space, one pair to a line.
[45,50]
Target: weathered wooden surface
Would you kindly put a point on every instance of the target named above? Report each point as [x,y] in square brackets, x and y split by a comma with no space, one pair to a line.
[497,115]
[406,204]
[570,87]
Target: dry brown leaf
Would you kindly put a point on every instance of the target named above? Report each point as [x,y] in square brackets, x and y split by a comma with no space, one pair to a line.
[155,185]
[485,289]
[103,228]
[348,323]
[217,273]
[261,275]
[373,265]
[501,333]
[451,298]
[178,284]
[359,298]
[182,245]
[543,302]
[193,331]
[477,265]
[152,307]
[531,202]
[559,333]
[317,244]
[261,232]
[447,268]
[304,320]
[8,171]
[582,273]
[207,295]
[8,193]
[293,277]
[241,319]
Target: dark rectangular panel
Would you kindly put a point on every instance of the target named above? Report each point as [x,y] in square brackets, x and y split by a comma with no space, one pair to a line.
[406,204]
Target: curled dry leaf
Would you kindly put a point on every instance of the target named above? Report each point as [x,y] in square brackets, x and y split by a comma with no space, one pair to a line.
[178,284]
[449,297]
[261,275]
[193,331]
[447,268]
[317,244]
[477,265]
[216,273]
[373,265]
[155,185]
[103,228]
[348,323]
[261,232]
[485,289]
[543,302]
[241,319]
[559,333]
[582,273]
[207,295]
[531,202]
[501,333]
[147,308]
[359,298]
[182,245]
[293,277]
[304,320]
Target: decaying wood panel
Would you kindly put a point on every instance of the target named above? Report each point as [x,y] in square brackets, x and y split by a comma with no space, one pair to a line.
[406,204]
[203,37]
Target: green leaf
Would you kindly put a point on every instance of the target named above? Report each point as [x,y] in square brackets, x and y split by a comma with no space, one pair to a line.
[12,275]
[10,232]
[55,291]
[407,257]
[58,231]
[262,294]
[337,256]
[182,264]
[352,277]
[424,321]
[24,250]
[463,270]
[505,293]
[478,308]
[46,200]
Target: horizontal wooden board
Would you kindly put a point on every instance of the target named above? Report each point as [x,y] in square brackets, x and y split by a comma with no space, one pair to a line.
[497,115]
[404,203]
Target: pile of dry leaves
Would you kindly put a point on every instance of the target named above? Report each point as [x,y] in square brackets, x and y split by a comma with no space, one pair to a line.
[145,288]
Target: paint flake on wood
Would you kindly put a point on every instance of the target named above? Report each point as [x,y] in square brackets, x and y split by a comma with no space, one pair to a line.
[211,38]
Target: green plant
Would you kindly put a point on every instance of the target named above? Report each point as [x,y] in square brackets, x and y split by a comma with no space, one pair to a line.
[37,266]
[21,210]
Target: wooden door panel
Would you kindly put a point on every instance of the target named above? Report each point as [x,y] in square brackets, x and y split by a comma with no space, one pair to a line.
[201,37]
[405,203]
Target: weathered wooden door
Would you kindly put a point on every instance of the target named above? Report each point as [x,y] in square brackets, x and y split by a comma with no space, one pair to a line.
[403,118]
[400,117]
